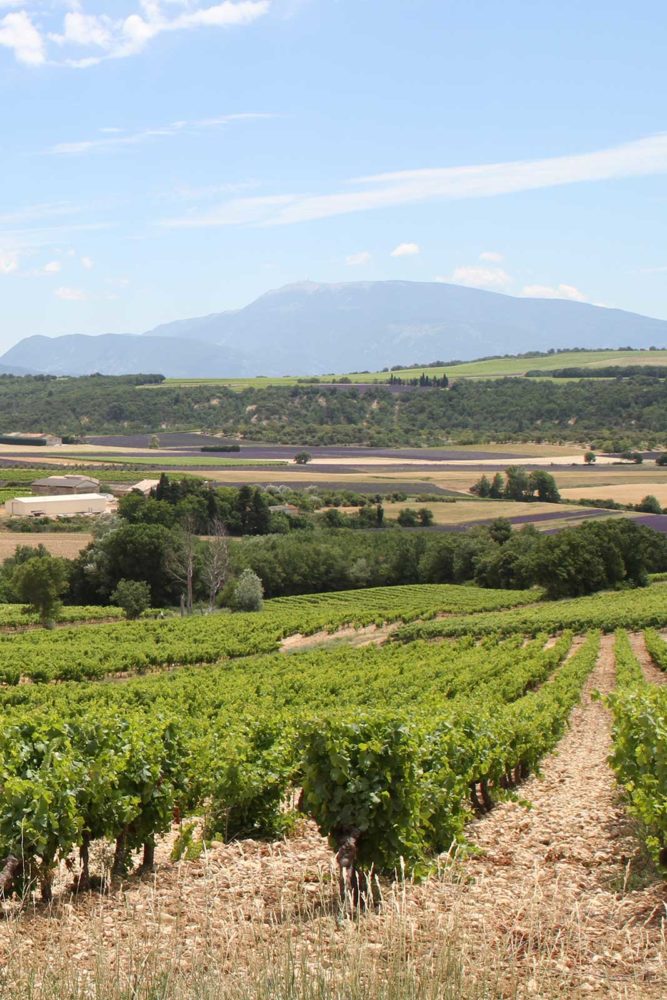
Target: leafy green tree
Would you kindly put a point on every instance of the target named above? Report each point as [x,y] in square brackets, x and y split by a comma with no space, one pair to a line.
[500,530]
[21,554]
[517,485]
[128,552]
[40,583]
[511,566]
[302,457]
[482,488]
[333,518]
[133,596]
[590,458]
[544,485]
[497,488]
[248,592]
[408,517]
[425,517]
[649,505]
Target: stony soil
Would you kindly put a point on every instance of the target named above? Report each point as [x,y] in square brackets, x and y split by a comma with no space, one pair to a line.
[559,902]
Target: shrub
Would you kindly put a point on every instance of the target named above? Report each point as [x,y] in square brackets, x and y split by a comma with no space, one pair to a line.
[248,592]
[133,596]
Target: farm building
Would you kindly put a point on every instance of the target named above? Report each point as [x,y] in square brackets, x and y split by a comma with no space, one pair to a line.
[39,440]
[285,508]
[144,486]
[58,506]
[62,485]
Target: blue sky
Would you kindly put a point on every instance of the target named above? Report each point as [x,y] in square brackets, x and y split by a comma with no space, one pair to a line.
[170,158]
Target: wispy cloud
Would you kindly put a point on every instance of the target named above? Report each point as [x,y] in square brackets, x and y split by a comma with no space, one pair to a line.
[489,275]
[38,212]
[80,39]
[640,158]
[476,276]
[358,259]
[406,250]
[70,294]
[119,139]
[553,292]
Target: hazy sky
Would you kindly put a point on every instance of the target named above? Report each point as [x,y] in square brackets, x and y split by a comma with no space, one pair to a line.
[168,158]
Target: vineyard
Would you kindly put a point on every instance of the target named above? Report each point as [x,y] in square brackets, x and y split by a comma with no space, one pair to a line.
[392,749]
[121,736]
[137,647]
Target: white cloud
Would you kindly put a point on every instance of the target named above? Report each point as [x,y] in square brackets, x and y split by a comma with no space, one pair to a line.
[53,267]
[70,294]
[479,277]
[491,257]
[81,39]
[358,259]
[87,30]
[17,32]
[116,139]
[32,213]
[406,250]
[88,263]
[9,261]
[553,292]
[641,158]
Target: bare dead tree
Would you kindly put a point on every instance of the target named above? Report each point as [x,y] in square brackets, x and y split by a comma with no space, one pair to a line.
[182,559]
[215,567]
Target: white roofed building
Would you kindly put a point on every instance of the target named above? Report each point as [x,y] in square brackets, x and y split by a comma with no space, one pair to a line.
[60,506]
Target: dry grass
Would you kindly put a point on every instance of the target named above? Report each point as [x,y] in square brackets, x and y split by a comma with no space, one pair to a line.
[58,544]
[632,492]
[464,511]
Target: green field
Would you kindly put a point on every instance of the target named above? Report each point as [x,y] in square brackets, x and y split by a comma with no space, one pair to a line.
[402,743]
[495,368]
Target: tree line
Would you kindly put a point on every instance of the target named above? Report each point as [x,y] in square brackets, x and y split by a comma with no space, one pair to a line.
[609,415]
[138,564]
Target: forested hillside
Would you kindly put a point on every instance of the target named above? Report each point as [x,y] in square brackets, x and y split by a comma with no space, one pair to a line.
[632,411]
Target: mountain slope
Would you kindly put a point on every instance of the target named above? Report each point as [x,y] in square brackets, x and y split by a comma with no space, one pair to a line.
[122,354]
[313,328]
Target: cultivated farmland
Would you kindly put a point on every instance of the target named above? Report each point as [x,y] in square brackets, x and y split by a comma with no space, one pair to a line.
[203,794]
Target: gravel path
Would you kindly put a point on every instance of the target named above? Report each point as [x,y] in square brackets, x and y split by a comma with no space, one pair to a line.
[561,896]
[559,902]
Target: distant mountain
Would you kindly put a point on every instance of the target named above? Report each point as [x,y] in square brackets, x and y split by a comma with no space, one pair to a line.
[122,354]
[310,329]
[14,370]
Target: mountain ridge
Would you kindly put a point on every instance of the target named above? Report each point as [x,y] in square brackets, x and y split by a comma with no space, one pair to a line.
[311,328]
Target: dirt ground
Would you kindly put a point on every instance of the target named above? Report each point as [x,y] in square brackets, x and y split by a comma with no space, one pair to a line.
[63,543]
[556,901]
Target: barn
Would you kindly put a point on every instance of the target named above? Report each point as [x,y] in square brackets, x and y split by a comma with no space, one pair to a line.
[60,485]
[58,506]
